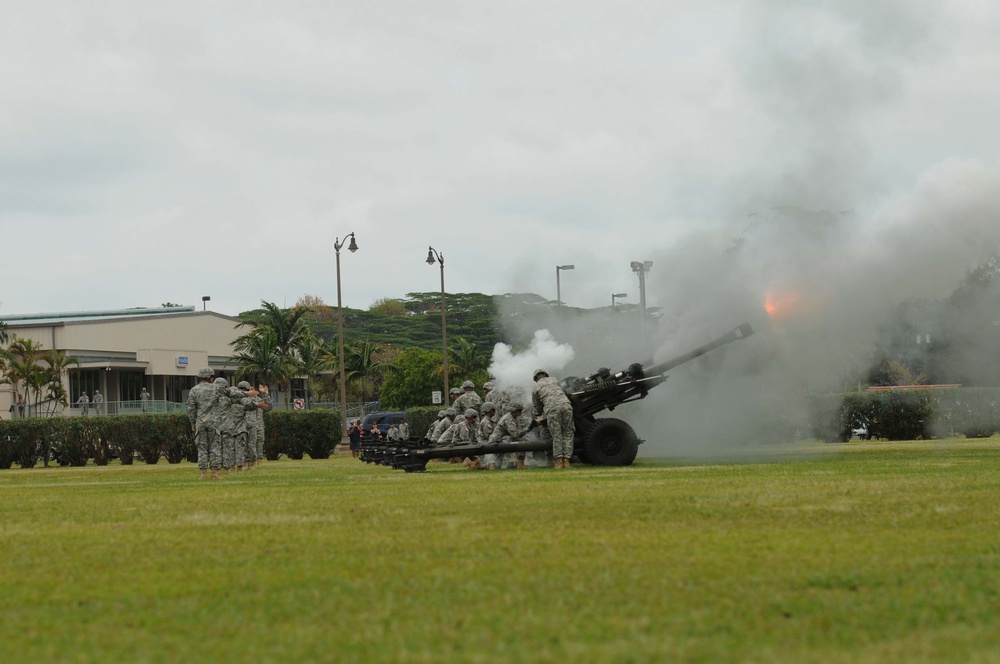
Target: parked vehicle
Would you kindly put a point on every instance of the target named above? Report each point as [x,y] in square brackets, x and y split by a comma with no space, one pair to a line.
[380,420]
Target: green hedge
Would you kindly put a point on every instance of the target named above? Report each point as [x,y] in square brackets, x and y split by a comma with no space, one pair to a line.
[77,440]
[908,414]
[420,418]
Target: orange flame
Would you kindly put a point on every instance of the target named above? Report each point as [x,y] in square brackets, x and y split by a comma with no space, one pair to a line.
[780,306]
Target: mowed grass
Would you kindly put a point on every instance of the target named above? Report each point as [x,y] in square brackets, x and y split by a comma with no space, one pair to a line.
[866,552]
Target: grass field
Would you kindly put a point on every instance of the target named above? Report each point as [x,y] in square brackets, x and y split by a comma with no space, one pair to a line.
[865,552]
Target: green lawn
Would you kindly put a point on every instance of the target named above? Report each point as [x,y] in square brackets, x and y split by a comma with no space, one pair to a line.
[865,552]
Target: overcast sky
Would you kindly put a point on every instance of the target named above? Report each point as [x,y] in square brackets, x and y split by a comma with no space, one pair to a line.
[154,152]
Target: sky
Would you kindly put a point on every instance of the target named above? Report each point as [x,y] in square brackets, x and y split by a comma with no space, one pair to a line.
[161,152]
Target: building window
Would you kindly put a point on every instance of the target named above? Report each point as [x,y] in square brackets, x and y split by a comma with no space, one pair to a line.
[178,386]
[83,380]
[130,384]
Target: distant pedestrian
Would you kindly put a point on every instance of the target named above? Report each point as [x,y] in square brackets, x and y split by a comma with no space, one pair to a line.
[144,399]
[98,401]
[84,403]
[20,405]
[354,434]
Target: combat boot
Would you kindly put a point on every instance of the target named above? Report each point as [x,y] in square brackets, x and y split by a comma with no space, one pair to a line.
[493,466]
[204,475]
[519,463]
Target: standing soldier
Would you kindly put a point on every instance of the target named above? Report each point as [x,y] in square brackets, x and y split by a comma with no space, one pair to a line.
[392,435]
[551,403]
[468,399]
[98,401]
[144,399]
[255,427]
[202,406]
[404,429]
[508,429]
[84,403]
[455,393]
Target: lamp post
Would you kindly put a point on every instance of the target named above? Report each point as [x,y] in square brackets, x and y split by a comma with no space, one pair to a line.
[434,255]
[617,295]
[641,268]
[204,299]
[558,289]
[340,332]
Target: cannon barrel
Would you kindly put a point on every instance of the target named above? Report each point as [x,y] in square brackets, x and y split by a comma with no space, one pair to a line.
[741,332]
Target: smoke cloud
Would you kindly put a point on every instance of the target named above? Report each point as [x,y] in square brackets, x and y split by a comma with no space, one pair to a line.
[515,369]
[816,246]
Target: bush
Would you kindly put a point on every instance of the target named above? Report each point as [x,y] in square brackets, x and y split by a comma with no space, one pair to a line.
[297,433]
[420,419]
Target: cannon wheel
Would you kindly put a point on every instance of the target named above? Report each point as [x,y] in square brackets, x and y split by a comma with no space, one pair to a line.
[611,442]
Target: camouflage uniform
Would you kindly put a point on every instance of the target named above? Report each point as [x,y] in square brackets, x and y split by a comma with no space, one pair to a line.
[84,403]
[202,404]
[443,425]
[404,430]
[468,399]
[430,429]
[485,429]
[508,429]
[233,424]
[551,402]
[255,447]
[98,402]
[392,434]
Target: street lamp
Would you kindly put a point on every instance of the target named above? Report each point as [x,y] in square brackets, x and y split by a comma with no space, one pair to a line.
[558,290]
[641,268]
[433,255]
[204,299]
[618,295]
[337,244]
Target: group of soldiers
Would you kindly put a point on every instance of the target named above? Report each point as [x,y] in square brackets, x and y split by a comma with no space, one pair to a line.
[502,418]
[228,423]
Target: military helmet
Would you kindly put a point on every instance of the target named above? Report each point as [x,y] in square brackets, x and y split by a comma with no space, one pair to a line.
[450,412]
[454,390]
[471,412]
[206,372]
[243,385]
[538,372]
[468,385]
[441,414]
[489,406]
[515,405]
[221,381]
[488,385]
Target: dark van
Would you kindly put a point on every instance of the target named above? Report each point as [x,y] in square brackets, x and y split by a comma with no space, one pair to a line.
[381,420]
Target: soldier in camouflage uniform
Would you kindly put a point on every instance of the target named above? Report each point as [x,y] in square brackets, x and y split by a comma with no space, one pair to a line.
[234,404]
[404,429]
[550,401]
[485,429]
[443,425]
[392,435]
[255,427]
[430,429]
[468,399]
[202,404]
[455,393]
[487,393]
[508,429]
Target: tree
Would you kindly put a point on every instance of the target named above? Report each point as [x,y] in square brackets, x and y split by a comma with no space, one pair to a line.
[412,379]
[314,358]
[21,368]
[389,307]
[58,362]
[363,366]
[285,329]
[257,355]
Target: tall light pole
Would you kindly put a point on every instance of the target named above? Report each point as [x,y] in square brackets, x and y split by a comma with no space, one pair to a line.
[618,295]
[641,268]
[204,300]
[558,289]
[434,255]
[340,332]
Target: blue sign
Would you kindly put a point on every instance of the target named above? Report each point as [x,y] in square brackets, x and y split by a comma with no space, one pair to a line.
[182,360]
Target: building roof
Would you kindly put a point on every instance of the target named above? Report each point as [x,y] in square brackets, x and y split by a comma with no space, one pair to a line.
[92,316]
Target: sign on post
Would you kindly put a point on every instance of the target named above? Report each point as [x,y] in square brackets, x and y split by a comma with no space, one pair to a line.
[436,397]
[298,404]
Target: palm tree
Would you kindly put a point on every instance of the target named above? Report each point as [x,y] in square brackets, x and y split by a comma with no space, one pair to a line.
[4,333]
[257,354]
[361,365]
[465,360]
[58,362]
[285,328]
[21,367]
[314,358]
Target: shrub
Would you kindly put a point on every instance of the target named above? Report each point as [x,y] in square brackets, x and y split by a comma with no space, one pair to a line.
[420,419]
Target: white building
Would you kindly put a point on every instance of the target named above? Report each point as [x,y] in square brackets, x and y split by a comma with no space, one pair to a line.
[120,352]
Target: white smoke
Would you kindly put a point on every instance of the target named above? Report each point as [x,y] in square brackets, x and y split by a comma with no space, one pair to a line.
[510,369]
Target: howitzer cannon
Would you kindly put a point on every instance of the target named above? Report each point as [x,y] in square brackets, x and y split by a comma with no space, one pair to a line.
[600,441]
